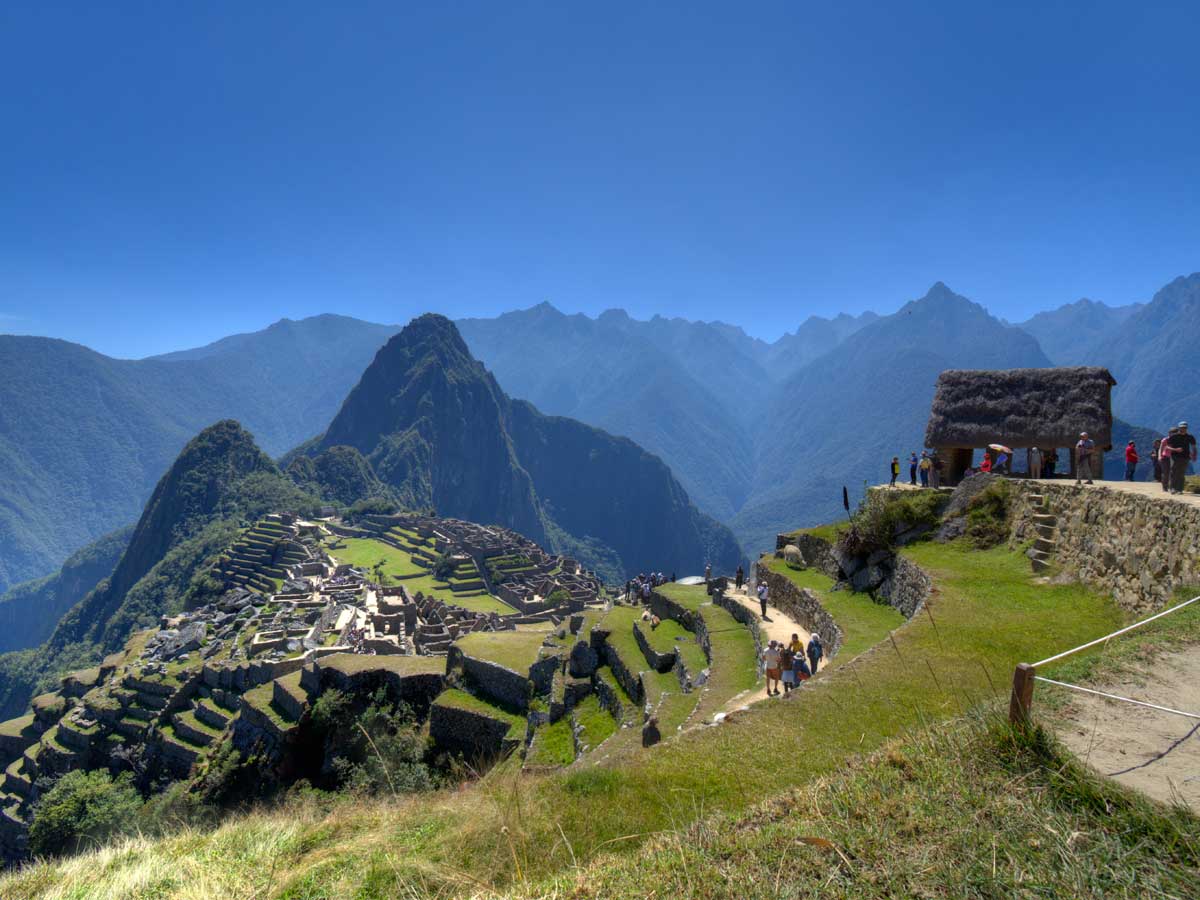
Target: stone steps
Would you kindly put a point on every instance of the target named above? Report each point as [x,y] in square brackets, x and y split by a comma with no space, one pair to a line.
[1046,545]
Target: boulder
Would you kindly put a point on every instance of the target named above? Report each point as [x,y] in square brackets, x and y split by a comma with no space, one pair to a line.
[583,660]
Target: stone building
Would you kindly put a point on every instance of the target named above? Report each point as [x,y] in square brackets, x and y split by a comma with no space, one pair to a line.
[1021,409]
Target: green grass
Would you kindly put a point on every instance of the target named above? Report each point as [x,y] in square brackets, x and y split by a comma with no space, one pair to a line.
[989,615]
[734,665]
[480,603]
[353,663]
[689,596]
[458,699]
[364,553]
[828,532]
[516,650]
[864,622]
[619,623]
[596,724]
[972,810]
[630,711]
[553,745]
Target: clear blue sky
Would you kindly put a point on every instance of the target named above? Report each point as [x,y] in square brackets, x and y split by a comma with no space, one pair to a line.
[170,173]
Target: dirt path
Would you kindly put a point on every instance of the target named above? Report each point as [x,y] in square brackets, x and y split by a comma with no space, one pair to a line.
[777,626]
[1115,737]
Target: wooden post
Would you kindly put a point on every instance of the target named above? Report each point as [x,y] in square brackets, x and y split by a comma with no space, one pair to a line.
[1022,694]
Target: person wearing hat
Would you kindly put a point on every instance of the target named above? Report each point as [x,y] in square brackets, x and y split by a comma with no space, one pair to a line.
[1131,460]
[1083,458]
[1183,454]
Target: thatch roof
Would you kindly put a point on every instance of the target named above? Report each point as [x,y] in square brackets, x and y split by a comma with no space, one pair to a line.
[1021,407]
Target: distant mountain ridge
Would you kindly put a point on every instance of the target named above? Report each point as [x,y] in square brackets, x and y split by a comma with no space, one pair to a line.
[434,425]
[1072,335]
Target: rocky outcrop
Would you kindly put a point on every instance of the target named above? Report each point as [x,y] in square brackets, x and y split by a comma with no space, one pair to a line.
[1141,549]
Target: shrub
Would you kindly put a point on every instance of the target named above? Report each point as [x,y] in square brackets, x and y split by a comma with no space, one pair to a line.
[82,808]
[881,518]
[987,516]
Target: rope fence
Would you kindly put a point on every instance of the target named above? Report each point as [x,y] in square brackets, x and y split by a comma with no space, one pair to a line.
[1026,675]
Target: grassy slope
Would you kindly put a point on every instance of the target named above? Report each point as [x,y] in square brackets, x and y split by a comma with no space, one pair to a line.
[989,616]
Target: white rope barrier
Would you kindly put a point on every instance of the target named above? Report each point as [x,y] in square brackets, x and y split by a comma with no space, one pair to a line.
[1065,653]
[1075,687]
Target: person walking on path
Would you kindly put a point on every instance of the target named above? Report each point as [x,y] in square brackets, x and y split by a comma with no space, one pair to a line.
[912,468]
[786,658]
[1155,450]
[1183,454]
[1131,460]
[1165,451]
[762,598]
[925,465]
[771,666]
[1035,463]
[815,652]
[895,470]
[738,577]
[1083,458]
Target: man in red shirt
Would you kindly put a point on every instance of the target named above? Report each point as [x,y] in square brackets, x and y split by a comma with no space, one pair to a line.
[1131,460]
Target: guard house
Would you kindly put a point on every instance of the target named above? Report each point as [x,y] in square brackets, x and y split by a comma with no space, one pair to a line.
[1019,408]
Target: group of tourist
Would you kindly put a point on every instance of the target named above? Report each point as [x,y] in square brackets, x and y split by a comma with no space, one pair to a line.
[791,662]
[1171,456]
[928,467]
[639,587]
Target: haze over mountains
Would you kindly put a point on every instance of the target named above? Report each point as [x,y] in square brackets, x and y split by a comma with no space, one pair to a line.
[758,434]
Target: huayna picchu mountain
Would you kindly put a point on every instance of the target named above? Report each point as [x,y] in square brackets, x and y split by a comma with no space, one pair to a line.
[435,426]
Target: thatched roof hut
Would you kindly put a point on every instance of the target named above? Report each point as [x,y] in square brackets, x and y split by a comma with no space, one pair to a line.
[1021,408]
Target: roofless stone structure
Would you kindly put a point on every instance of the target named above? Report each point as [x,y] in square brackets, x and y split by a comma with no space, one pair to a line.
[1020,408]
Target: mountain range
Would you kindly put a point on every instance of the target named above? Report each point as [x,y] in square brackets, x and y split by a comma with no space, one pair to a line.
[759,435]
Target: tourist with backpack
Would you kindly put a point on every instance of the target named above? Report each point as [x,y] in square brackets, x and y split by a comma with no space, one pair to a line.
[786,659]
[925,465]
[815,651]
[895,470]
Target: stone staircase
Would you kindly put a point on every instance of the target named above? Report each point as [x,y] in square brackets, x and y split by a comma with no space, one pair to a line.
[1045,524]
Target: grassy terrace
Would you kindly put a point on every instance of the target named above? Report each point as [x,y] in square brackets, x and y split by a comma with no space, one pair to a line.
[989,616]
[456,699]
[353,663]
[516,650]
[863,621]
[364,553]
[553,745]
[596,724]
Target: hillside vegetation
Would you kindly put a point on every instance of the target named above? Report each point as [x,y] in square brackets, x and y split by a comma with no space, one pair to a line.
[523,833]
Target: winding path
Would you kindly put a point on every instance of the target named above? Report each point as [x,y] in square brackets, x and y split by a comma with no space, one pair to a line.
[778,626]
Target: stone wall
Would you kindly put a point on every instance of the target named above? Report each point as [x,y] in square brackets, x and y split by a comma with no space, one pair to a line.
[803,606]
[475,734]
[506,687]
[1139,549]
[907,588]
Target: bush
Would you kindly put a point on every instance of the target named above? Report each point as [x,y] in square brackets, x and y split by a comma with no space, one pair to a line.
[83,808]
[377,749]
[881,518]
[987,516]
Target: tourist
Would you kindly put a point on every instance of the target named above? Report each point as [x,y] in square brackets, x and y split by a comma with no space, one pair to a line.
[786,657]
[1155,449]
[771,665]
[646,592]
[707,572]
[1165,451]
[1000,467]
[1035,463]
[655,621]
[913,462]
[935,470]
[738,577]
[925,465]
[815,651]
[800,667]
[762,598]
[1084,448]
[895,470]
[1131,460]
[1183,454]
[1051,462]
[986,465]
[797,645]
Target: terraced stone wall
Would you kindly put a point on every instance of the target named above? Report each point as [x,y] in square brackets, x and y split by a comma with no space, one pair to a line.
[1141,549]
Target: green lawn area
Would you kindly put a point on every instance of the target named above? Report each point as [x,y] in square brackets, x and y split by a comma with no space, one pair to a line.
[734,665]
[553,745]
[516,650]
[863,621]
[363,553]
[596,724]
[353,663]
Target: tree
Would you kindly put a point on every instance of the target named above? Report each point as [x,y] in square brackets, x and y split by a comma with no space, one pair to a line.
[82,808]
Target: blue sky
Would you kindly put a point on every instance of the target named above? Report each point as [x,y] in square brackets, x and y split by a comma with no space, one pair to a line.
[170,173]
